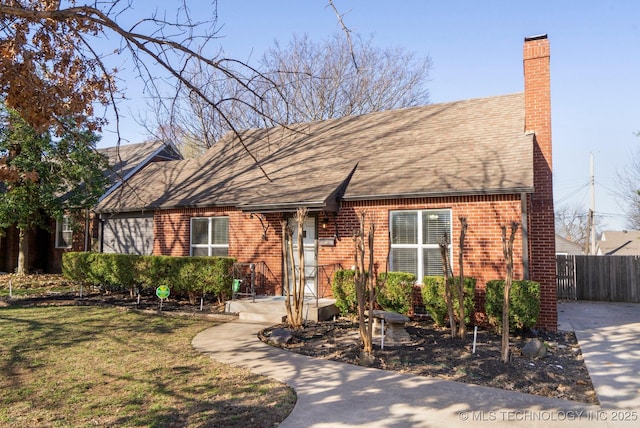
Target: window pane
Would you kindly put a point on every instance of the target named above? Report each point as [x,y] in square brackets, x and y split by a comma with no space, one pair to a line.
[220,231]
[404,260]
[200,231]
[64,234]
[434,224]
[199,251]
[404,227]
[66,239]
[432,262]
[220,252]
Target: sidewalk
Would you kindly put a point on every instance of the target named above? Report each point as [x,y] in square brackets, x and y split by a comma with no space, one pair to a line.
[332,394]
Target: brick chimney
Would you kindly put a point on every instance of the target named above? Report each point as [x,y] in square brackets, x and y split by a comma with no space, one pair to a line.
[537,95]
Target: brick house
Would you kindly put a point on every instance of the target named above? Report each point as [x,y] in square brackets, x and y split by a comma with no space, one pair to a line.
[414,172]
[47,244]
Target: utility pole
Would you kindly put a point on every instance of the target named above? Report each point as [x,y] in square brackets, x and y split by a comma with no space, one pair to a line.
[592,211]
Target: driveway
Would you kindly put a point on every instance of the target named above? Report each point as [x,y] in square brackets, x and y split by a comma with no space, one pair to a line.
[609,337]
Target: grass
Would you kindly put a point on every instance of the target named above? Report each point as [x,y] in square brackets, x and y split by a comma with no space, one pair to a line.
[90,366]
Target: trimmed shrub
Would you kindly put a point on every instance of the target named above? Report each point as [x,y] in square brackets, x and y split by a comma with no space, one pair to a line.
[217,278]
[433,297]
[396,294]
[524,304]
[344,291]
[75,266]
[185,276]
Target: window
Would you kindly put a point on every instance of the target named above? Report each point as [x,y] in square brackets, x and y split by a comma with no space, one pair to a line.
[414,241]
[64,233]
[210,236]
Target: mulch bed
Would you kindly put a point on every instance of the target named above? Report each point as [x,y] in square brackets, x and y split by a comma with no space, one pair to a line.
[433,352]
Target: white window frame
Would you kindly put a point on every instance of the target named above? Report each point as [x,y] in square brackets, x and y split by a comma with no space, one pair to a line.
[210,246]
[419,247]
[63,226]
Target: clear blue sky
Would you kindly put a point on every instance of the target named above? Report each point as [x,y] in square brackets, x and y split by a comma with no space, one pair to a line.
[476,50]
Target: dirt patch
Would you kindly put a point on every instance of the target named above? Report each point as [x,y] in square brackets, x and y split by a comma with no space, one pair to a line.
[433,352]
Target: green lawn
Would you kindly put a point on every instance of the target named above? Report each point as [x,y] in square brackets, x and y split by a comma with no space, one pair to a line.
[88,366]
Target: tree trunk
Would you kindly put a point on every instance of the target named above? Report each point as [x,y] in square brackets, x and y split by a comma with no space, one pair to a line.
[301,216]
[507,249]
[462,327]
[23,252]
[286,238]
[444,253]
[365,280]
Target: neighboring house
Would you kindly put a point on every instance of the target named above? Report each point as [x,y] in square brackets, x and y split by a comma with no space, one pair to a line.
[619,243]
[413,171]
[47,245]
[565,247]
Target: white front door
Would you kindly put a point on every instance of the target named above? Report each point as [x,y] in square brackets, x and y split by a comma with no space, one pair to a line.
[310,253]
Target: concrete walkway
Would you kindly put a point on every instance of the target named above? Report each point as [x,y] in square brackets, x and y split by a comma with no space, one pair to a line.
[609,337]
[332,394]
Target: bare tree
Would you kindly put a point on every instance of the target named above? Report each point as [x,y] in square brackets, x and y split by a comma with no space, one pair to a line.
[294,276]
[572,223]
[462,327]
[507,249]
[314,81]
[443,243]
[54,52]
[629,193]
[365,280]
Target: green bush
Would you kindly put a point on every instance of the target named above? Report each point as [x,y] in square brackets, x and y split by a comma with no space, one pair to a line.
[185,276]
[397,292]
[75,266]
[344,291]
[433,297]
[524,304]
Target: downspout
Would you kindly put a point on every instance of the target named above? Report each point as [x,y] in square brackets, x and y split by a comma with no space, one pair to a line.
[101,237]
[86,231]
[525,235]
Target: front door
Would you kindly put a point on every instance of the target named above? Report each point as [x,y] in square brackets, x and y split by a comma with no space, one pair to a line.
[310,253]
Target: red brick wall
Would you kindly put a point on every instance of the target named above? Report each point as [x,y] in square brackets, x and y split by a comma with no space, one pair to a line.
[483,246]
[246,241]
[541,220]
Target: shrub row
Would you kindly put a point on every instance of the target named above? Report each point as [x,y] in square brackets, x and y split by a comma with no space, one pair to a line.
[185,276]
[395,290]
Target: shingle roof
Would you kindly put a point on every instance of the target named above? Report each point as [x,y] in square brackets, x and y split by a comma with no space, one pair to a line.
[125,160]
[619,243]
[475,146]
[565,246]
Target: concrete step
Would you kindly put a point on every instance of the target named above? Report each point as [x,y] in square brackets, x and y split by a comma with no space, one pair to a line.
[267,318]
[272,309]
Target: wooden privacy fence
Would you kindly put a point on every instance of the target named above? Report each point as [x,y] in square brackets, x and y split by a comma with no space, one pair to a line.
[599,278]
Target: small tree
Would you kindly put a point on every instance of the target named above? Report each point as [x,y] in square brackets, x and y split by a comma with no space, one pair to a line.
[43,176]
[294,280]
[365,280]
[443,243]
[507,249]
[462,328]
